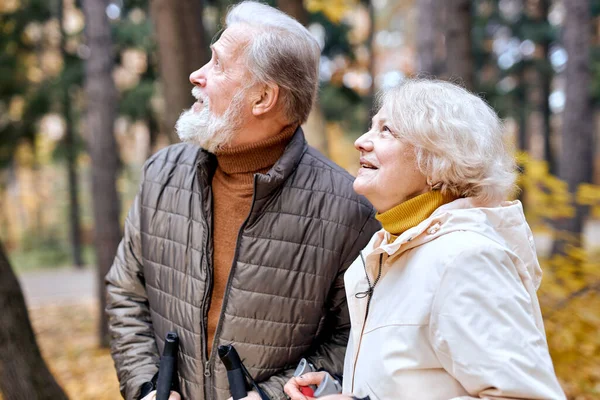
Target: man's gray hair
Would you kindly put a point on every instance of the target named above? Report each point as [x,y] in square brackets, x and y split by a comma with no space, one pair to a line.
[281,51]
[458,139]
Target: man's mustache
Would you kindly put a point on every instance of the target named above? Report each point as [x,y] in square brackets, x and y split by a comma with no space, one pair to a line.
[199,96]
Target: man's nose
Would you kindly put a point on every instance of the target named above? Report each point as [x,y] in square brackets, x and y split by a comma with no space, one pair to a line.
[198,78]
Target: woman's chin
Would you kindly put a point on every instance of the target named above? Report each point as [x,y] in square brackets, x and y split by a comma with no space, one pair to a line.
[360,187]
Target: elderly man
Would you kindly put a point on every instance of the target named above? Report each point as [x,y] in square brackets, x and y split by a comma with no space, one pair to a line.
[241,234]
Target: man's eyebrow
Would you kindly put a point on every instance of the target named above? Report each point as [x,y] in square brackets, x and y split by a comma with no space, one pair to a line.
[217,36]
[214,48]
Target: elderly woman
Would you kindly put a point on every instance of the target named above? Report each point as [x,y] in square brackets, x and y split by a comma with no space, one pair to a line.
[443,299]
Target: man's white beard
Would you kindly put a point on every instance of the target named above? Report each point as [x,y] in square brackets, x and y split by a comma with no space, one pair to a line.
[207,130]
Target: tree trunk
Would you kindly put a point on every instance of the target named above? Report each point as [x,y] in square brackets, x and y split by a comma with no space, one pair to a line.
[430,57]
[522,118]
[545,76]
[576,158]
[459,56]
[370,98]
[182,49]
[39,211]
[74,212]
[315,127]
[153,131]
[522,105]
[294,8]
[23,372]
[100,115]
[71,150]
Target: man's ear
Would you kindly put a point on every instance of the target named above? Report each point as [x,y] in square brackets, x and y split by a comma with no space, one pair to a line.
[267,100]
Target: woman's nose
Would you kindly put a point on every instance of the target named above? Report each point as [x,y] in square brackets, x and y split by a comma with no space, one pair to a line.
[364,143]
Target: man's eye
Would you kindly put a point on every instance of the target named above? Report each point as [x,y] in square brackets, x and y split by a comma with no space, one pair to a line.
[386,128]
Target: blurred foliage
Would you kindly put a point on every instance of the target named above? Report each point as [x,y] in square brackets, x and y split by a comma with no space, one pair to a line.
[47,254]
[508,98]
[23,98]
[570,290]
[32,85]
[333,10]
[570,300]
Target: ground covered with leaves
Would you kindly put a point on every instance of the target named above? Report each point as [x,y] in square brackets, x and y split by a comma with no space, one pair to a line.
[67,336]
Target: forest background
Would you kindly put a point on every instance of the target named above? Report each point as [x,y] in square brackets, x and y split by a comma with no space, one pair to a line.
[90,88]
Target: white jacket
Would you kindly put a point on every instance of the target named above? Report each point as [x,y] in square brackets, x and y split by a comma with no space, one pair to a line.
[454,313]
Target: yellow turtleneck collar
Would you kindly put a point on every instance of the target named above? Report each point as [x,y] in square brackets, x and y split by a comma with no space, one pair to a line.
[412,212]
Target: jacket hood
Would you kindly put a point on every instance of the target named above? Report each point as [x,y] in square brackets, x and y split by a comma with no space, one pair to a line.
[504,223]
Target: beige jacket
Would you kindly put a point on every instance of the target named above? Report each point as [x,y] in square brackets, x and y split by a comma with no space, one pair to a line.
[454,313]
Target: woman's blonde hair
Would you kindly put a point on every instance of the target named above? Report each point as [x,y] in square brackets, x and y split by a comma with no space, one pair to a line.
[458,139]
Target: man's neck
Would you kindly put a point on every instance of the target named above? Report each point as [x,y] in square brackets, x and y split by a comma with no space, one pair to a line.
[257,156]
[257,130]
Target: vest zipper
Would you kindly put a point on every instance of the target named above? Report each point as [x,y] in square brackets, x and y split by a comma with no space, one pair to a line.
[225,295]
[369,295]
[206,300]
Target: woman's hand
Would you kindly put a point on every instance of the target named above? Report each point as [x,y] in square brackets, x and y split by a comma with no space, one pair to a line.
[292,387]
[251,396]
[172,396]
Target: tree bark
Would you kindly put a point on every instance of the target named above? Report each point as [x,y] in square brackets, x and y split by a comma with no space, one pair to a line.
[23,372]
[295,8]
[74,209]
[429,37]
[71,150]
[314,128]
[522,105]
[545,76]
[459,56]
[182,49]
[576,158]
[370,97]
[100,115]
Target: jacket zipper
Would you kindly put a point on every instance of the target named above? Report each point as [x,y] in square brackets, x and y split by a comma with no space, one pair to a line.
[369,295]
[209,364]
[207,296]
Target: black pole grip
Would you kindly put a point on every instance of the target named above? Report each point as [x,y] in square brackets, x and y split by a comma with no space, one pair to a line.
[235,375]
[167,370]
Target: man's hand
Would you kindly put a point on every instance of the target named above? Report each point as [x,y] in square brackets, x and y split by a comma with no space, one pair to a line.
[251,396]
[292,387]
[172,396]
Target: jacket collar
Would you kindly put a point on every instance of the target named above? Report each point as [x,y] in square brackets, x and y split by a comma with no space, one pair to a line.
[266,183]
[283,168]
[461,214]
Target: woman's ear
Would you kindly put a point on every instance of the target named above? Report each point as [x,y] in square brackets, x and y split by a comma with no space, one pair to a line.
[267,100]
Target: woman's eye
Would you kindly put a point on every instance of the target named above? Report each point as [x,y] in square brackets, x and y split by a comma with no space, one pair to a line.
[385,128]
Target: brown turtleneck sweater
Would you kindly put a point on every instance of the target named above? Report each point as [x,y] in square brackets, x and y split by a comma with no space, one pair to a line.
[232,187]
